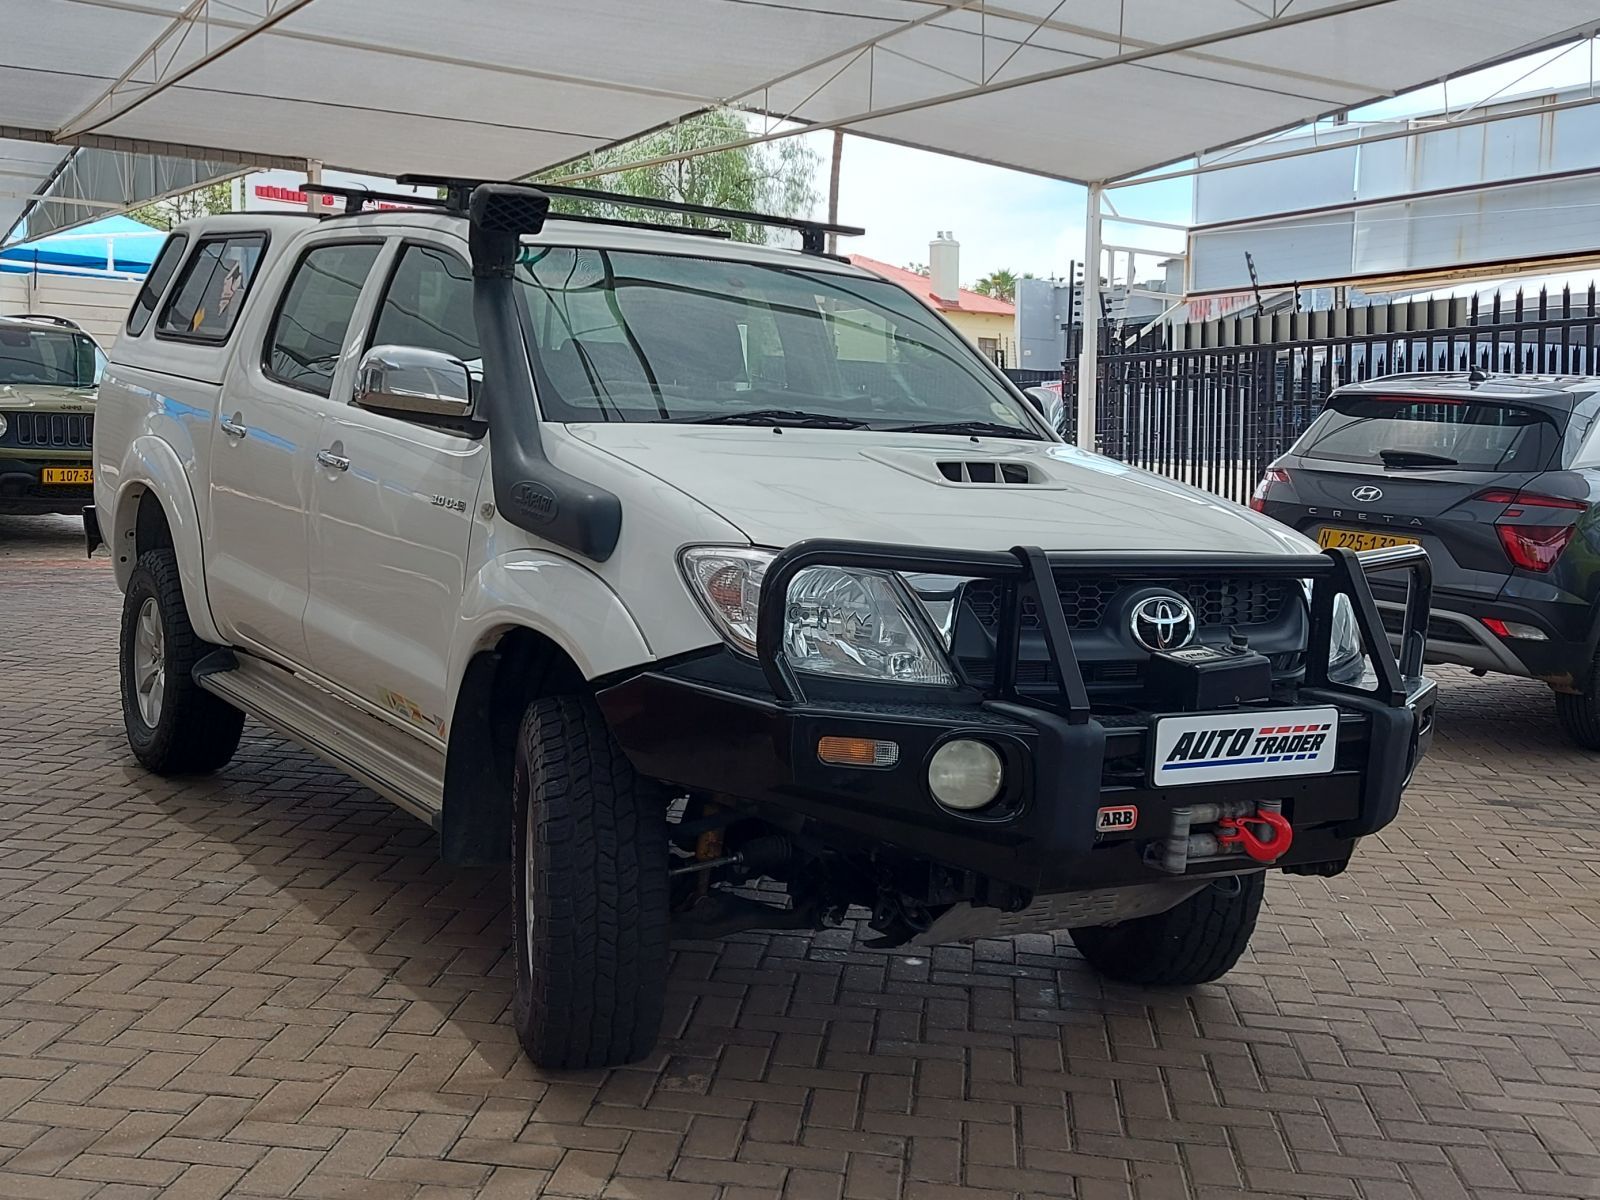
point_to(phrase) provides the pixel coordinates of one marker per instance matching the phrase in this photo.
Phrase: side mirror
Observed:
(408, 379)
(1048, 402)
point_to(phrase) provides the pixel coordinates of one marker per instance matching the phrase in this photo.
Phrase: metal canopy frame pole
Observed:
(313, 179)
(1089, 342)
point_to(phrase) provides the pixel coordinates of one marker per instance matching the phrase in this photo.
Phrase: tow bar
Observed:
(1187, 843)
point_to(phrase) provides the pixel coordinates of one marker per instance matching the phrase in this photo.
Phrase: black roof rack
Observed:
(813, 234)
(357, 198)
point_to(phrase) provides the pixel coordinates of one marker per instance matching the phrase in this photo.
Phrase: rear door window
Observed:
(1431, 432)
(211, 291)
(314, 315)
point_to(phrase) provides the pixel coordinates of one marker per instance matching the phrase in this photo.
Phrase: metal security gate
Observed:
(1214, 404)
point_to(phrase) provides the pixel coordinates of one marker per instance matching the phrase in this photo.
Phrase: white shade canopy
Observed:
(1076, 89)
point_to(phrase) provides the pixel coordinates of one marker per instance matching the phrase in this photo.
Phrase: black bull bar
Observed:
(689, 726)
(1027, 573)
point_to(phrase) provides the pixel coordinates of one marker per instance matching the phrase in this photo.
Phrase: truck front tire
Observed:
(590, 911)
(1196, 942)
(174, 727)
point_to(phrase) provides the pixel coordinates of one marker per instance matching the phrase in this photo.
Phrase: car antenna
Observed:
(1476, 376)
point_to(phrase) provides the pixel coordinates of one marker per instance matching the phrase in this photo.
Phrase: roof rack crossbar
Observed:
(653, 226)
(813, 234)
(357, 198)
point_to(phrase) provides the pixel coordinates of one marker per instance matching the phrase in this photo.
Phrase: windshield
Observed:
(1426, 431)
(651, 337)
(57, 357)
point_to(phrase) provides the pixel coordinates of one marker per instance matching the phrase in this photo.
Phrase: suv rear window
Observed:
(1429, 431)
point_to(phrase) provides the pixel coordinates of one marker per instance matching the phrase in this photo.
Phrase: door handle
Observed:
(231, 426)
(337, 462)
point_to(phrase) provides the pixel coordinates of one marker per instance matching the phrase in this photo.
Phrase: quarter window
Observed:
(211, 291)
(144, 304)
(314, 316)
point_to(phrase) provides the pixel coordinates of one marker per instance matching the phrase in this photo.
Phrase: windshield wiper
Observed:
(796, 417)
(971, 428)
(1415, 458)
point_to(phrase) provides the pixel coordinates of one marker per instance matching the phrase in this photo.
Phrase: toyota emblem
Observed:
(1163, 623)
(1367, 494)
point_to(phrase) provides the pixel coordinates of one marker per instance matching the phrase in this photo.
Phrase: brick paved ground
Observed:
(263, 984)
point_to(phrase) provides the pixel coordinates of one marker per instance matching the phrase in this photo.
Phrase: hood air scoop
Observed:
(989, 471)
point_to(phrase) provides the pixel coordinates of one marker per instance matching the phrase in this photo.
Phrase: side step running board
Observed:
(391, 762)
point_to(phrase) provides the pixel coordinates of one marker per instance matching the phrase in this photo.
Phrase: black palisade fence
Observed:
(1213, 403)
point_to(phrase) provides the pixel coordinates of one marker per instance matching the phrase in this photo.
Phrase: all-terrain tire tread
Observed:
(1579, 713)
(592, 995)
(1198, 941)
(197, 731)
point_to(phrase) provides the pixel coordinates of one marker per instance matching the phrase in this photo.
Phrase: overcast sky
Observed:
(1007, 219)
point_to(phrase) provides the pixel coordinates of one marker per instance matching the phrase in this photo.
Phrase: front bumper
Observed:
(23, 493)
(753, 742)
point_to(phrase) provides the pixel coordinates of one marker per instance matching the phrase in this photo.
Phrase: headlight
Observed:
(2, 425)
(848, 624)
(1345, 652)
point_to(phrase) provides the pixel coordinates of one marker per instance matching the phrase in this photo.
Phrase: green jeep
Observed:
(49, 369)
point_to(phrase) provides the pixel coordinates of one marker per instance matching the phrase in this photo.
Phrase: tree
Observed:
(1001, 284)
(186, 206)
(774, 178)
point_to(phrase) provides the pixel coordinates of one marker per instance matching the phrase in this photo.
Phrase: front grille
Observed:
(1217, 603)
(52, 431)
(1036, 672)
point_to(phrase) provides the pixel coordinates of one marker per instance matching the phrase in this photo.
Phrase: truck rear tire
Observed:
(1196, 942)
(590, 912)
(174, 727)
(1579, 712)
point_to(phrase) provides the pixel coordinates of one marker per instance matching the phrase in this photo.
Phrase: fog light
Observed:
(965, 775)
(857, 752)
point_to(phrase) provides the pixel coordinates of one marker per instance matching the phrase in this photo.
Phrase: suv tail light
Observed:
(1532, 547)
(1258, 498)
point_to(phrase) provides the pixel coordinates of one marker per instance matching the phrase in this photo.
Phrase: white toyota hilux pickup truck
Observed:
(668, 568)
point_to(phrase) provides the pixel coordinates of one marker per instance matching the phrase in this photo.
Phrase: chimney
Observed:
(944, 267)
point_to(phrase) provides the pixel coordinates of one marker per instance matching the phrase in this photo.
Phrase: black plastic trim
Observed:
(91, 530)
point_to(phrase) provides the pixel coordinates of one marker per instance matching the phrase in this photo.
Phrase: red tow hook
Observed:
(1231, 830)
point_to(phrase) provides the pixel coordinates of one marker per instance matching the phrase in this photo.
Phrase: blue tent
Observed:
(130, 245)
